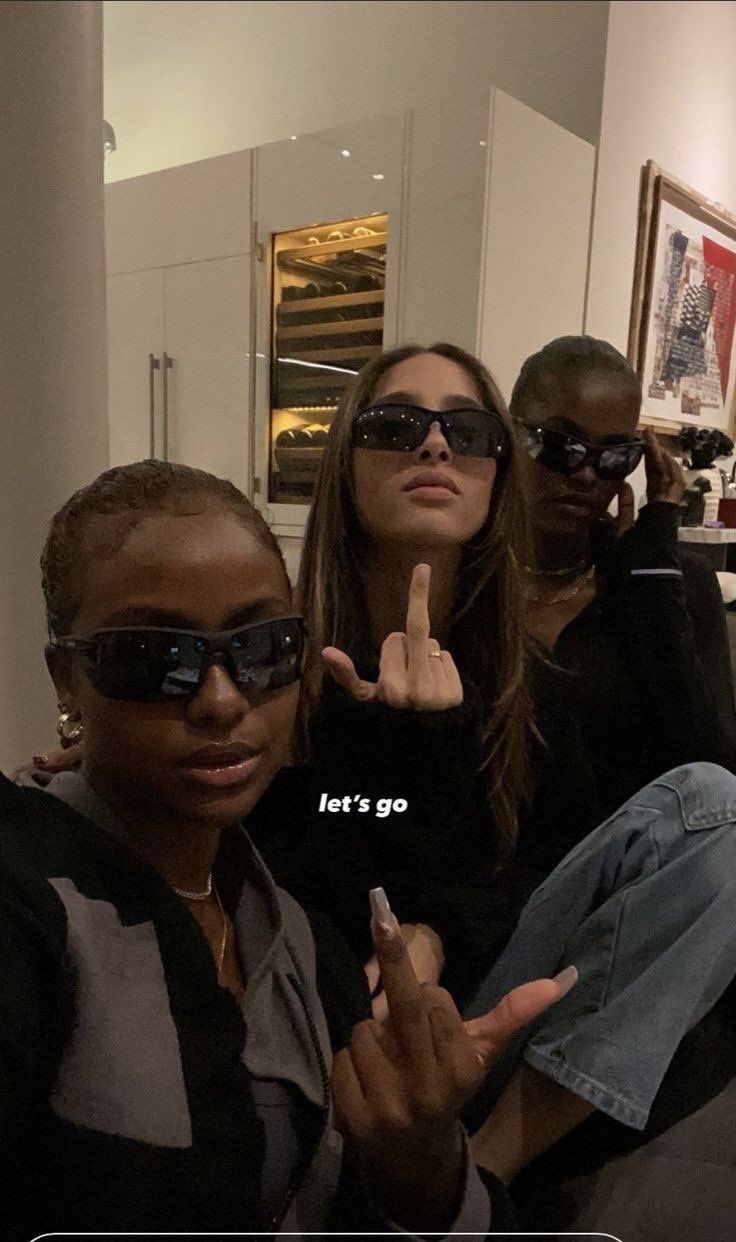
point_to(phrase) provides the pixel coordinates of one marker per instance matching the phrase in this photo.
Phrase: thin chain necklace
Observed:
(208, 892)
(535, 598)
(182, 892)
(569, 571)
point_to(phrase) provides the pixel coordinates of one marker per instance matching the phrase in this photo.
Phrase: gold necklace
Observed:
(548, 600)
(224, 934)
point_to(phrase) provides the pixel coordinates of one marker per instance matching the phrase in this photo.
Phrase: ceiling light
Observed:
(108, 138)
(482, 143)
(294, 137)
(378, 177)
(345, 152)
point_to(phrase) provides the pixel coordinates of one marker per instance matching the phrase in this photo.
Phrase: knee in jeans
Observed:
(706, 794)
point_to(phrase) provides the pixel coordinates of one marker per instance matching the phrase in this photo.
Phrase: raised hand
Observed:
(426, 955)
(665, 480)
(414, 671)
(398, 1089)
(626, 517)
(43, 768)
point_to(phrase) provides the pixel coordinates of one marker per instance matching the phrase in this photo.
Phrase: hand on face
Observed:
(414, 672)
(398, 1088)
(665, 480)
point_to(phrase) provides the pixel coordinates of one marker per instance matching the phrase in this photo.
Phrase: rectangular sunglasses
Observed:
(556, 450)
(402, 428)
(156, 663)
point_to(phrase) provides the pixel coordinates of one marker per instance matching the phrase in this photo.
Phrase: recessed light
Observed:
(378, 177)
(345, 152)
(482, 143)
(294, 137)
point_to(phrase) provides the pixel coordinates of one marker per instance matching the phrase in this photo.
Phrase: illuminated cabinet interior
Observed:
(328, 288)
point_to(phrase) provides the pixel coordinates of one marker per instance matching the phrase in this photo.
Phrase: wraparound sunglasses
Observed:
(401, 428)
(612, 459)
(153, 664)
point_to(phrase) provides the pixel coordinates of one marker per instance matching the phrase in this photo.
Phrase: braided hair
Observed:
(127, 495)
(562, 363)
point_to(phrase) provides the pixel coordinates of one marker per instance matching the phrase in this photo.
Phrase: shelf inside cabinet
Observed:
(334, 247)
(319, 343)
(342, 301)
(338, 328)
(333, 355)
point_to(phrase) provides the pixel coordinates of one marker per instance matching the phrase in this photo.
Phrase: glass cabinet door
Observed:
(328, 286)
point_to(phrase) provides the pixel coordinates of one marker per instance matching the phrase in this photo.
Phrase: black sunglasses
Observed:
(402, 428)
(566, 454)
(150, 665)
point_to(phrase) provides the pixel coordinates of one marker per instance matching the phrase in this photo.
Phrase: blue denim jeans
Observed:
(645, 907)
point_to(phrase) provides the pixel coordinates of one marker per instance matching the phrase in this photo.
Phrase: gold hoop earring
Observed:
(69, 728)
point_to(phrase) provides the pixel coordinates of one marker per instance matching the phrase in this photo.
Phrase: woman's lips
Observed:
(432, 492)
(220, 771)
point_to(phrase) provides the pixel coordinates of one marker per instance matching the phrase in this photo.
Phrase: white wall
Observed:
(670, 96)
(184, 81)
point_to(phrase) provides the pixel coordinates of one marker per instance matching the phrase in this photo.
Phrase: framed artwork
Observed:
(682, 334)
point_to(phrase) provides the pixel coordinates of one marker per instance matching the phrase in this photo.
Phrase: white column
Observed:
(53, 383)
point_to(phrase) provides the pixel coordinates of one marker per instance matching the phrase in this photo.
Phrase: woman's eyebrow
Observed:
(453, 401)
(394, 398)
(258, 610)
(457, 401)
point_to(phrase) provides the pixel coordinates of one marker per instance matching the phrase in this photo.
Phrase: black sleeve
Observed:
(676, 640)
(366, 756)
(35, 1010)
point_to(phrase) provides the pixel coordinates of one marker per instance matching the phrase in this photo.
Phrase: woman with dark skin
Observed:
(639, 625)
(163, 1049)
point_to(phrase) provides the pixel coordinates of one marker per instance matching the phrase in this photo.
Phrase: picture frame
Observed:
(682, 331)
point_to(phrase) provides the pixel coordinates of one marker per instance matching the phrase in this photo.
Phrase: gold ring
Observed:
(436, 655)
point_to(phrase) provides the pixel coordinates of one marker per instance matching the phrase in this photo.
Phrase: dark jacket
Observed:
(648, 661)
(135, 1092)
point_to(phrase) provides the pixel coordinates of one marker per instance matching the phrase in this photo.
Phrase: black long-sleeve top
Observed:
(640, 682)
(648, 661)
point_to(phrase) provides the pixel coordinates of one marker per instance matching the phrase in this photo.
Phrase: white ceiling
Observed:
(184, 81)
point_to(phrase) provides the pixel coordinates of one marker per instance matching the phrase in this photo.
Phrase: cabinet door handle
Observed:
(153, 365)
(166, 365)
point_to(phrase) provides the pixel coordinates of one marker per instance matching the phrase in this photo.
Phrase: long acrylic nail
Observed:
(381, 910)
(566, 980)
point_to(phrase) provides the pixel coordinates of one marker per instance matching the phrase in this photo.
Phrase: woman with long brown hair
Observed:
(454, 501)
(421, 466)
(358, 549)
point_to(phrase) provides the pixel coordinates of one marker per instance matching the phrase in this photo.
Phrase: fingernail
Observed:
(40, 760)
(566, 980)
(381, 910)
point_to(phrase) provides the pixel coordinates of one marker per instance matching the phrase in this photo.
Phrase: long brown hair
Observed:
(487, 637)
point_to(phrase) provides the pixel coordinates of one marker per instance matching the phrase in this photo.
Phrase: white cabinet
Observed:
(207, 313)
(135, 330)
(179, 366)
(179, 320)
